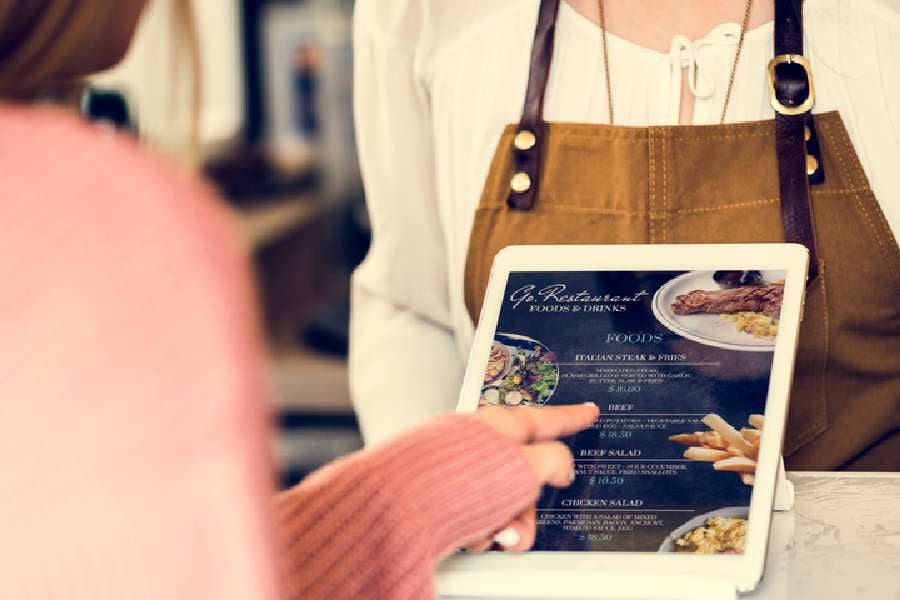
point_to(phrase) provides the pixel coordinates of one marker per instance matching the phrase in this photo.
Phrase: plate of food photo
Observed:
(521, 371)
(735, 310)
(722, 531)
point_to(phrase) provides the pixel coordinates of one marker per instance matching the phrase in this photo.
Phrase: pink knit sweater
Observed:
(133, 432)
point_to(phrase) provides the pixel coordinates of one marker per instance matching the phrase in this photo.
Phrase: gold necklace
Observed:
(737, 55)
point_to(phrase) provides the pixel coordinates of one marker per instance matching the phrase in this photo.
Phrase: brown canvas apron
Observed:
(601, 184)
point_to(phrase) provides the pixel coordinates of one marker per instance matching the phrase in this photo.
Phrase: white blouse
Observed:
(437, 80)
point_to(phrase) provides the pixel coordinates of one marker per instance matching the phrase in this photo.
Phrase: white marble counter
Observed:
(841, 541)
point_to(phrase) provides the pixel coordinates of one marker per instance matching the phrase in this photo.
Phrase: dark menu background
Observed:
(638, 486)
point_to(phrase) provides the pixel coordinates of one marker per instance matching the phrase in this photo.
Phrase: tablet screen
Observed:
(679, 363)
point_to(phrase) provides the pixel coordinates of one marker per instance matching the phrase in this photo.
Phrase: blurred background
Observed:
(275, 135)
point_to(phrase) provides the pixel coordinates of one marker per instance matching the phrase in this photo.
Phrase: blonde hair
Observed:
(47, 47)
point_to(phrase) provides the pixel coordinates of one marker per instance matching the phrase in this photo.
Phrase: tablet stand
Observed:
(784, 490)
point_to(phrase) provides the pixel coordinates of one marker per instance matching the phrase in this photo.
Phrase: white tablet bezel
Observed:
(744, 570)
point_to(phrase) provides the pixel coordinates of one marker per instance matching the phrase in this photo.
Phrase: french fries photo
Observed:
(738, 464)
(727, 448)
(689, 439)
(706, 454)
(729, 433)
(751, 435)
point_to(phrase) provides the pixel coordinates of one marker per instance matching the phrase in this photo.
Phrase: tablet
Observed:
(689, 352)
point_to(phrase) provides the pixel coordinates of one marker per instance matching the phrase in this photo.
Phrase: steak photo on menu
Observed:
(765, 299)
(738, 310)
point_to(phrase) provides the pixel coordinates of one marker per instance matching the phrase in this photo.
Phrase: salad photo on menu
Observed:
(520, 372)
(679, 363)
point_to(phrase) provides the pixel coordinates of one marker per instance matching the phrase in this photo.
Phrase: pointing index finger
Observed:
(533, 423)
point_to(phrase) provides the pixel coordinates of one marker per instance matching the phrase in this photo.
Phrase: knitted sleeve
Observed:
(374, 525)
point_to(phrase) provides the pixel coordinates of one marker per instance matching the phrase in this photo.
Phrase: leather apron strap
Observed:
(791, 91)
(529, 137)
(792, 96)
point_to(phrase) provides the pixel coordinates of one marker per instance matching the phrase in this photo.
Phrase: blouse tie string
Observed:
(685, 54)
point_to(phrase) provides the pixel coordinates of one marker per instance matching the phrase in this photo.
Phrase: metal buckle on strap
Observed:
(793, 107)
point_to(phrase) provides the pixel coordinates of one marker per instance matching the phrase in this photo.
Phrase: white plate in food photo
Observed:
(521, 371)
(721, 531)
(734, 310)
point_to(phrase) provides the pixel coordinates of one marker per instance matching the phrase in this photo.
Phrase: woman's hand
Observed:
(536, 429)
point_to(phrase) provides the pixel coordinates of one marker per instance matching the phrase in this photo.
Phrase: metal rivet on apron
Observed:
(524, 140)
(520, 182)
(812, 165)
(806, 133)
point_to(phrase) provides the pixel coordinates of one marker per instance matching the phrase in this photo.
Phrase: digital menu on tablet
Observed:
(679, 363)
